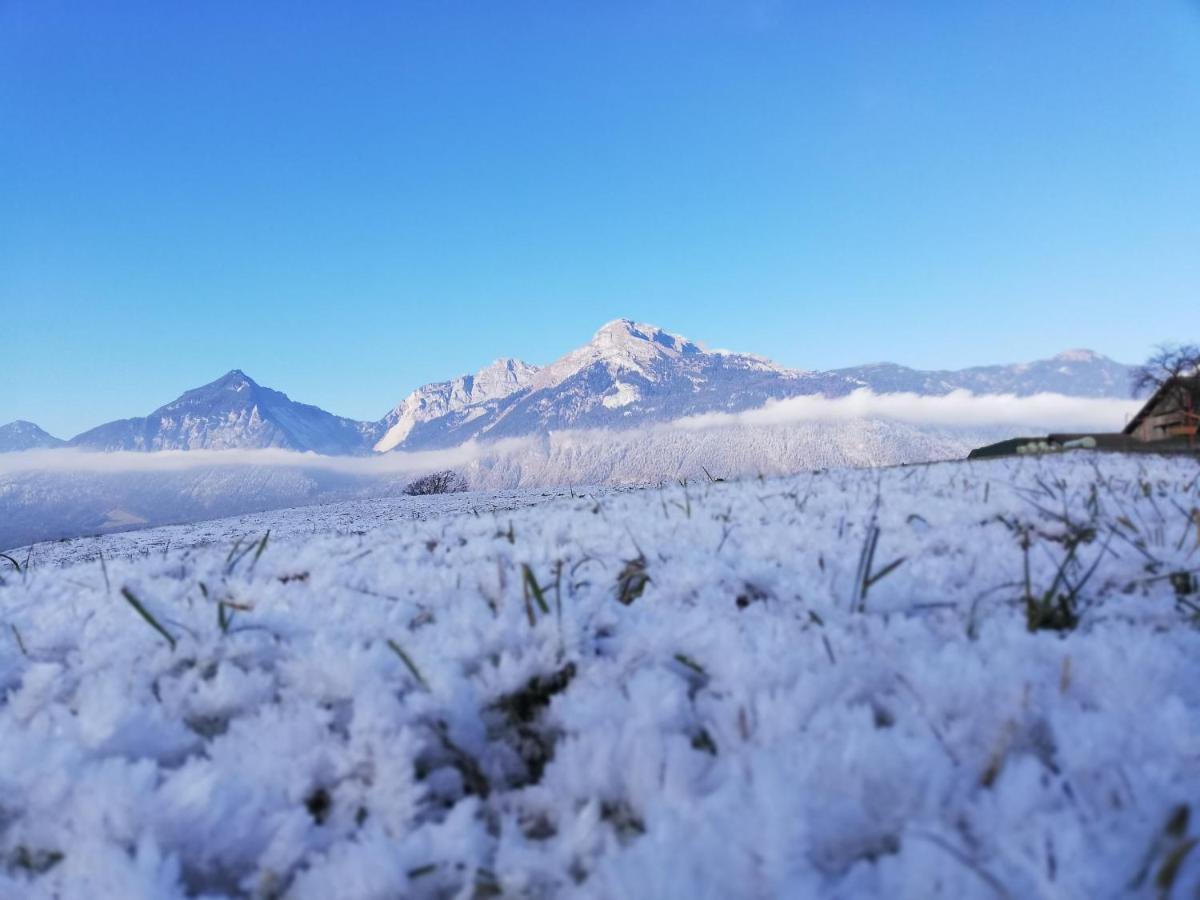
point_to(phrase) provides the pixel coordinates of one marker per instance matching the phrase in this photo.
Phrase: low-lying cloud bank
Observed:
(958, 409)
(384, 464)
(48, 494)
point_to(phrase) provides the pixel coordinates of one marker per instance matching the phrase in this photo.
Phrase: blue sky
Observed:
(349, 200)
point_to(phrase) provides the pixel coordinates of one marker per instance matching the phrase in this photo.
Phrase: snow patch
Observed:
(623, 396)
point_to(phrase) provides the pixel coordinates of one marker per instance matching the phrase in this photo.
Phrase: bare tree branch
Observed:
(1170, 361)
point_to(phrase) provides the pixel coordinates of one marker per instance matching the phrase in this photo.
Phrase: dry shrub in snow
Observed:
(444, 482)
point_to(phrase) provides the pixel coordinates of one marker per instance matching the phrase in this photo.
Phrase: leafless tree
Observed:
(444, 482)
(1169, 362)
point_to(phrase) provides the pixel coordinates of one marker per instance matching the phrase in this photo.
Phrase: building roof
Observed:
(1103, 443)
(1189, 383)
(1002, 448)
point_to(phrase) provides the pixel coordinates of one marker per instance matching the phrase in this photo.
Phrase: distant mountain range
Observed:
(627, 375)
(1073, 373)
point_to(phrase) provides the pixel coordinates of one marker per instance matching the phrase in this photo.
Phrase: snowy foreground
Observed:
(711, 690)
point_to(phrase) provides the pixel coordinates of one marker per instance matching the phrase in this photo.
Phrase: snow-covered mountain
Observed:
(22, 435)
(1074, 373)
(631, 374)
(455, 403)
(628, 375)
(233, 412)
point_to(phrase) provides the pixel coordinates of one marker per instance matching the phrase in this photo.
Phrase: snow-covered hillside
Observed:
(821, 685)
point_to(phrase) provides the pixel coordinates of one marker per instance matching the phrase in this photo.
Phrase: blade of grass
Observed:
(885, 571)
(20, 643)
(684, 660)
(407, 660)
(866, 559)
(104, 570)
(262, 545)
(133, 601)
(233, 563)
(535, 589)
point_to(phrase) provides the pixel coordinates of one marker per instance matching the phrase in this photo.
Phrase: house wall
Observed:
(1166, 415)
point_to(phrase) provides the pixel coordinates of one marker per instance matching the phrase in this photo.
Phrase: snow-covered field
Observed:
(346, 517)
(822, 685)
(51, 494)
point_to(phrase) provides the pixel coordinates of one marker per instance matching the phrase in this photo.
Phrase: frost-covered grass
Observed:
(824, 685)
(345, 517)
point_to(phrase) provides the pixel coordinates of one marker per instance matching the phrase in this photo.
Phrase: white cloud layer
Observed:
(396, 463)
(1049, 412)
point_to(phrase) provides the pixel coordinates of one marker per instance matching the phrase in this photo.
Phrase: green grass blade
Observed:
(133, 601)
(407, 660)
(536, 589)
(262, 545)
(224, 617)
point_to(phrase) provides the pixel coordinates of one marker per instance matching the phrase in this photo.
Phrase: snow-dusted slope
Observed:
(632, 374)
(628, 374)
(456, 403)
(22, 435)
(465, 706)
(1073, 373)
(233, 412)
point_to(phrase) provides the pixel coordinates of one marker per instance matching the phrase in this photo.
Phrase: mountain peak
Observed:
(232, 412)
(23, 435)
(1079, 355)
(616, 327)
(505, 365)
(626, 332)
(235, 380)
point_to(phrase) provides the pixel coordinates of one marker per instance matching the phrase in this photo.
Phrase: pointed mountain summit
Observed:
(621, 345)
(22, 435)
(233, 412)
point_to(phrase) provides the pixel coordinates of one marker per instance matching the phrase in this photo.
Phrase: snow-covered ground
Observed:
(346, 517)
(47, 495)
(708, 690)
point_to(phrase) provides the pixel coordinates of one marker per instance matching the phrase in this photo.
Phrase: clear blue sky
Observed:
(349, 200)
